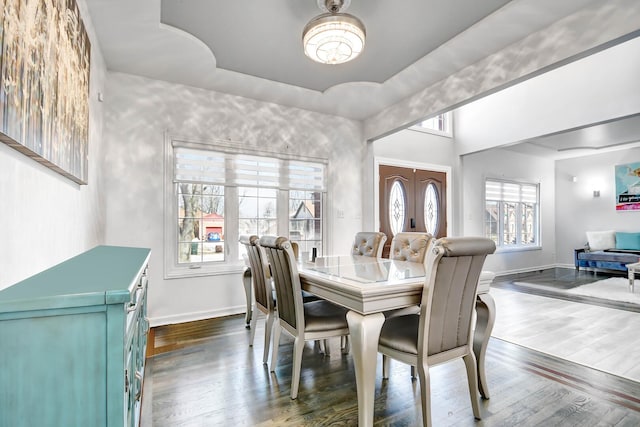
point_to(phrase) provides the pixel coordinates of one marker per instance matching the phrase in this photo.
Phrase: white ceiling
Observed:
(264, 39)
(252, 48)
(593, 139)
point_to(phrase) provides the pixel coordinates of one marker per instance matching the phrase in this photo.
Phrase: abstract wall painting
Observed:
(628, 187)
(44, 83)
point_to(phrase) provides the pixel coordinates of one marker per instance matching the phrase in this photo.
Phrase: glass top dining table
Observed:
(368, 287)
(367, 269)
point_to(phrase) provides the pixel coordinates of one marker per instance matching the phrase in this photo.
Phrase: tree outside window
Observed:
(200, 223)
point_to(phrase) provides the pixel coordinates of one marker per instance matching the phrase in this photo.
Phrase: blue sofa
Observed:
(608, 259)
(625, 249)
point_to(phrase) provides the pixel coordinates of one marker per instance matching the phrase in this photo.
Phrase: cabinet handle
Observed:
(139, 391)
(126, 381)
(132, 307)
(139, 295)
(143, 281)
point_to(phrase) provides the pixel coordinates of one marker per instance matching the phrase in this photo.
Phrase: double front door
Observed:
(411, 200)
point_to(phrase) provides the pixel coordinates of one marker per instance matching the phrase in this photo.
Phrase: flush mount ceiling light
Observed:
(334, 37)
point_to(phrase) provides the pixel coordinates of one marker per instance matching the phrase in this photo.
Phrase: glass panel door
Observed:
(411, 200)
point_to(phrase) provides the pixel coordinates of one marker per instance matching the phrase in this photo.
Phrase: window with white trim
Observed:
(511, 215)
(214, 196)
(440, 125)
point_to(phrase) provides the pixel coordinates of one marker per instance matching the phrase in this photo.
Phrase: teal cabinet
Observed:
(73, 342)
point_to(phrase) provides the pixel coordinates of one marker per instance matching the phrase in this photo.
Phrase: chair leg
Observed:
(385, 366)
(327, 347)
(425, 393)
(246, 281)
(472, 378)
(413, 372)
(252, 333)
(268, 327)
(298, 349)
(345, 345)
(276, 344)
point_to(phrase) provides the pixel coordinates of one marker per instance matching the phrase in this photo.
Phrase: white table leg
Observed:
(486, 317)
(631, 278)
(365, 332)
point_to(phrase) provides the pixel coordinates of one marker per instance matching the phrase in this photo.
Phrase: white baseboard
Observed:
(530, 269)
(193, 316)
(571, 266)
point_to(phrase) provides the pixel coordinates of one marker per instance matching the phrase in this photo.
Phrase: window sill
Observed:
(204, 270)
(509, 249)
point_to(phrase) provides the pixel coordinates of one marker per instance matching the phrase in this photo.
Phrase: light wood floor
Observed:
(215, 378)
(599, 337)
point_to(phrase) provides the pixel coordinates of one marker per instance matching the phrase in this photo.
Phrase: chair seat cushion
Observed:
(322, 315)
(309, 297)
(401, 333)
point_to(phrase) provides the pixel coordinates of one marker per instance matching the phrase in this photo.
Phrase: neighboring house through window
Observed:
(511, 216)
(305, 220)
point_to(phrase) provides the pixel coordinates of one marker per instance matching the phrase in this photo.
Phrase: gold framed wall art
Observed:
(44, 84)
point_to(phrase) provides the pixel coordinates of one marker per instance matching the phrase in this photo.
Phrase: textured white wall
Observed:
(138, 113)
(594, 89)
(586, 31)
(46, 218)
(577, 211)
(416, 146)
(600, 87)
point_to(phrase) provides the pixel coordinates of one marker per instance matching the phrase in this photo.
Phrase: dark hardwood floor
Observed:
(205, 374)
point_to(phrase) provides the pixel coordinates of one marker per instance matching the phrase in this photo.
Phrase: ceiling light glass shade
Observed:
(333, 38)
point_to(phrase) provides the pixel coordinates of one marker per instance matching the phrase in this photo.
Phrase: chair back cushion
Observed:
(369, 243)
(453, 268)
(284, 272)
(410, 246)
(259, 271)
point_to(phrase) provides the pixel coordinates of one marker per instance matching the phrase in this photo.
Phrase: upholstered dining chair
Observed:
(410, 246)
(248, 293)
(262, 291)
(368, 243)
(316, 320)
(443, 329)
(306, 296)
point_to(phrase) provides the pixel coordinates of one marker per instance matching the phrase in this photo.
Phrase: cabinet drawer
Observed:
(136, 306)
(135, 349)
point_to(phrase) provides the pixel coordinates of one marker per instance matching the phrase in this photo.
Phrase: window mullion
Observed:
(520, 218)
(231, 223)
(501, 230)
(283, 212)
